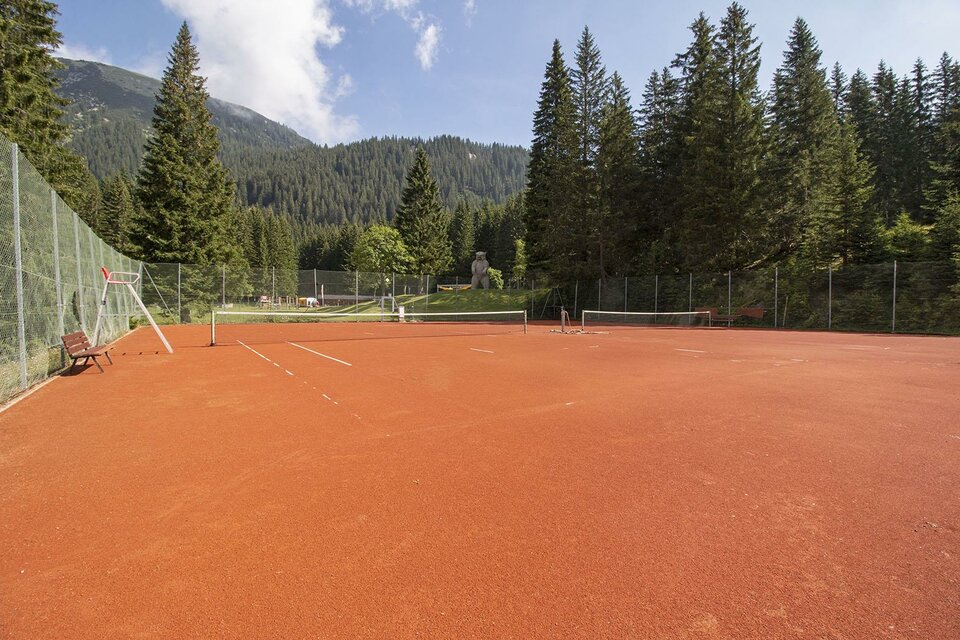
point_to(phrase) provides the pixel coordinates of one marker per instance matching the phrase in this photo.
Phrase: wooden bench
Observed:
(78, 347)
(729, 319)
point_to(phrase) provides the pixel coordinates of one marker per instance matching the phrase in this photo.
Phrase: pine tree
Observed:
(117, 214)
(462, 236)
(920, 173)
(31, 113)
(186, 193)
(740, 142)
(887, 156)
(838, 89)
(422, 221)
(551, 196)
(589, 86)
(851, 231)
(660, 145)
(618, 173)
(860, 110)
(804, 131)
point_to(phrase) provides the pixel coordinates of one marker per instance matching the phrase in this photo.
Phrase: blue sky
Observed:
(340, 70)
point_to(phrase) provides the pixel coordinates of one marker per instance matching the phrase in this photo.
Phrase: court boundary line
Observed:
(322, 355)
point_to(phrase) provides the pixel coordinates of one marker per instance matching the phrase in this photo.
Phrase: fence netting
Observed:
(50, 272)
(50, 263)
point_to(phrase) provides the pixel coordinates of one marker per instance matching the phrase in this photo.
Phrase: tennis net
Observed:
(230, 326)
(630, 319)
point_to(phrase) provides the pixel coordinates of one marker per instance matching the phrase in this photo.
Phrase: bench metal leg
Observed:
(96, 362)
(109, 359)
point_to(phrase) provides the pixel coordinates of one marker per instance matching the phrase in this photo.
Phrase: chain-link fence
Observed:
(51, 282)
(920, 297)
(50, 277)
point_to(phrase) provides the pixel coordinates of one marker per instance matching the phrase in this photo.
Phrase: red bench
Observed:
(78, 347)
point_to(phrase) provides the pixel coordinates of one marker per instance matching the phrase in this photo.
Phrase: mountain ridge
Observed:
(110, 114)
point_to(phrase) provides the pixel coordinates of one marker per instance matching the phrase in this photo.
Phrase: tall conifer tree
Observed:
(618, 174)
(422, 221)
(551, 194)
(30, 110)
(803, 132)
(186, 193)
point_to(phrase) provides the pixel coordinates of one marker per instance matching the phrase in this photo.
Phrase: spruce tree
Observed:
(186, 193)
(740, 143)
(422, 221)
(117, 214)
(589, 86)
(887, 156)
(31, 113)
(660, 145)
(803, 133)
(462, 236)
(853, 231)
(920, 174)
(838, 90)
(551, 194)
(861, 111)
(618, 174)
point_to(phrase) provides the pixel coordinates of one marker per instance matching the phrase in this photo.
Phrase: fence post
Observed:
(690, 302)
(76, 244)
(599, 294)
(393, 285)
(179, 310)
(223, 289)
(314, 284)
(893, 317)
(729, 293)
(829, 297)
(273, 286)
(656, 290)
(18, 266)
(625, 281)
(356, 288)
(56, 272)
(576, 291)
(776, 295)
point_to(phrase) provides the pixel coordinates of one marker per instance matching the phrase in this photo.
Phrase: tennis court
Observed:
(457, 480)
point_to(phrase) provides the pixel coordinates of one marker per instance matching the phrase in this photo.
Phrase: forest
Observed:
(708, 171)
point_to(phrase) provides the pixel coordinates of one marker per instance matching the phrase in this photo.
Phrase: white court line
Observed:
(317, 353)
(690, 350)
(288, 372)
(256, 352)
(480, 350)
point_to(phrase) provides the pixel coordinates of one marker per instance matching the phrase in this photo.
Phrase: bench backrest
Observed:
(75, 342)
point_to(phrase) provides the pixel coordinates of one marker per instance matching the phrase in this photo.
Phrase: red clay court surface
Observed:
(634, 484)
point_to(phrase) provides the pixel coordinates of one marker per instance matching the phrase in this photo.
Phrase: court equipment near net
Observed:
(645, 319)
(128, 279)
(466, 318)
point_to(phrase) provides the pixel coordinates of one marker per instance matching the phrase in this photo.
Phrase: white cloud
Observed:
(469, 10)
(426, 27)
(82, 52)
(427, 46)
(263, 55)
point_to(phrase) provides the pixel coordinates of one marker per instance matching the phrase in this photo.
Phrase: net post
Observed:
(829, 297)
(893, 317)
(524, 321)
(56, 273)
(18, 265)
(213, 327)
